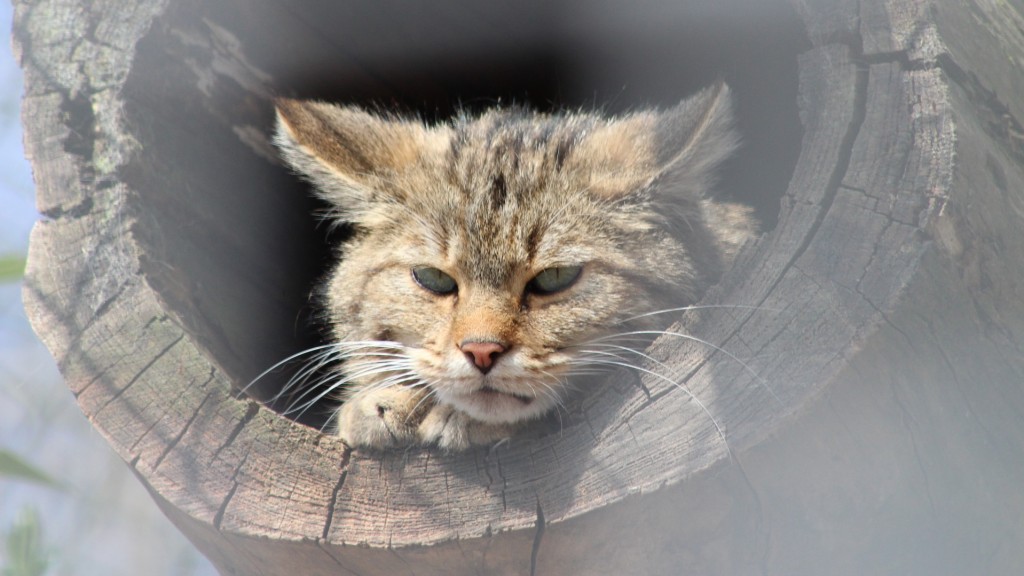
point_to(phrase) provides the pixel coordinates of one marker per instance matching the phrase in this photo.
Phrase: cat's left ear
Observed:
(691, 140)
(676, 150)
(349, 154)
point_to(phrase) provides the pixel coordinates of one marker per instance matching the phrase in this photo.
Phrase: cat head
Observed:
(494, 256)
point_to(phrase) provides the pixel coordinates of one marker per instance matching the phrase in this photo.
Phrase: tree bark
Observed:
(860, 414)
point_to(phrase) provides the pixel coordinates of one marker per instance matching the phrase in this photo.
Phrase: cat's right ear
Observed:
(349, 154)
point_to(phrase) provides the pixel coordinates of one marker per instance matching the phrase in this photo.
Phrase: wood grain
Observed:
(860, 413)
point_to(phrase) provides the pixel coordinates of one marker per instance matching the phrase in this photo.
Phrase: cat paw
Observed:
(382, 418)
(453, 430)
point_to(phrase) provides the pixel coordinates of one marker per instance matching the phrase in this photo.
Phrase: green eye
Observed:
(554, 279)
(434, 280)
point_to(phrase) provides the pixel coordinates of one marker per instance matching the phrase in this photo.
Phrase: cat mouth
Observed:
(488, 392)
(492, 405)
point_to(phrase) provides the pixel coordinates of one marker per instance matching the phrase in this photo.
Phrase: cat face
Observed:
(493, 256)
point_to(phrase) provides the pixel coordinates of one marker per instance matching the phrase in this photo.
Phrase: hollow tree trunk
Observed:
(865, 416)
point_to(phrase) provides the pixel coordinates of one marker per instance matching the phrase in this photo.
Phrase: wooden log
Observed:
(864, 416)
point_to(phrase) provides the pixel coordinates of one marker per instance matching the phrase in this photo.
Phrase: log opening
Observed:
(233, 241)
(176, 256)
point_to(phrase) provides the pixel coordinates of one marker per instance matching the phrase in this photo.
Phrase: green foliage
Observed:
(12, 267)
(24, 551)
(12, 466)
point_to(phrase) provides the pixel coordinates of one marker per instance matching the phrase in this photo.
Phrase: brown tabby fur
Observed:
(492, 201)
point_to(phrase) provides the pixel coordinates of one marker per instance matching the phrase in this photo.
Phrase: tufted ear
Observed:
(668, 159)
(676, 150)
(691, 140)
(351, 155)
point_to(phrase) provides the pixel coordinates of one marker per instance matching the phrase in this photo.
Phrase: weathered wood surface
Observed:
(877, 430)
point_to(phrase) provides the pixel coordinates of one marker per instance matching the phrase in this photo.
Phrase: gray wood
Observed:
(864, 416)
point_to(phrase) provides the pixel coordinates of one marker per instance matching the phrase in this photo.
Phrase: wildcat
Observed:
(495, 258)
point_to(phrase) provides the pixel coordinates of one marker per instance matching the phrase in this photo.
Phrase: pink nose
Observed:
(482, 353)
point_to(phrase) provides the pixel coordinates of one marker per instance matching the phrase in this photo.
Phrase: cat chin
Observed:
(494, 407)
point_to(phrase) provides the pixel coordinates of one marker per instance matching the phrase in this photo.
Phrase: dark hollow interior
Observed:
(231, 241)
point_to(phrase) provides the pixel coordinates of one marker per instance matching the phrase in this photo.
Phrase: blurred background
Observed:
(68, 504)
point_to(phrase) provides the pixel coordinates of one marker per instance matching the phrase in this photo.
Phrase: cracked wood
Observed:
(872, 423)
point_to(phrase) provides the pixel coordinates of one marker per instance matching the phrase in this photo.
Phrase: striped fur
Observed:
(492, 201)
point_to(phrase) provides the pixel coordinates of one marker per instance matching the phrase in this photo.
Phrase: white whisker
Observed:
(696, 307)
(395, 380)
(430, 395)
(730, 355)
(673, 383)
(282, 363)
